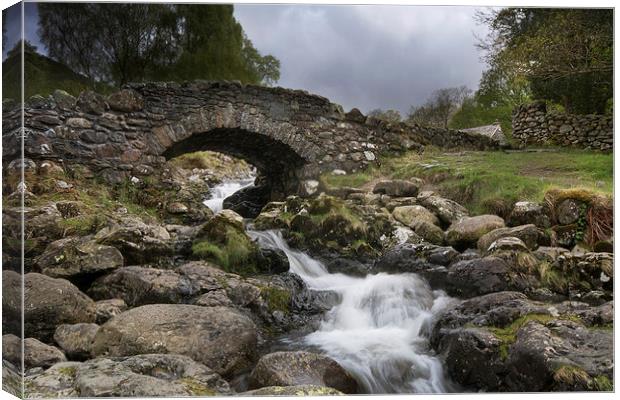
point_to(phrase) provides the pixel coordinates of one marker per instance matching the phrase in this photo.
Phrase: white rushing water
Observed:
(379, 331)
(223, 190)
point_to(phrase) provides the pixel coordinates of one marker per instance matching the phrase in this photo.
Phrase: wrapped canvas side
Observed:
(14, 187)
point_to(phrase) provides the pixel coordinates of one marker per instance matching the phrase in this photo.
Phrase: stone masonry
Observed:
(532, 124)
(291, 136)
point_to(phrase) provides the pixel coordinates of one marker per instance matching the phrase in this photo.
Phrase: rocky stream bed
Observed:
(392, 290)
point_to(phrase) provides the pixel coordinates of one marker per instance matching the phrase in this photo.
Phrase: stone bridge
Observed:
(291, 136)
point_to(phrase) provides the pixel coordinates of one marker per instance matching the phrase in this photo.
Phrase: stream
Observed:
(379, 332)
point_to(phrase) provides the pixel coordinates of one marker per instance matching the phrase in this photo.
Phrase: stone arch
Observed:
(278, 149)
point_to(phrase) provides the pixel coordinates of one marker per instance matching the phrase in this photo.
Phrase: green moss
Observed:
(508, 335)
(603, 383)
(196, 388)
(277, 299)
(82, 224)
(68, 371)
(236, 254)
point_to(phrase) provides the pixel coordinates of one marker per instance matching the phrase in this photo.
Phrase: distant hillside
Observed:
(43, 76)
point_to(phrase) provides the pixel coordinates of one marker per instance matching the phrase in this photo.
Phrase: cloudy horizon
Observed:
(364, 56)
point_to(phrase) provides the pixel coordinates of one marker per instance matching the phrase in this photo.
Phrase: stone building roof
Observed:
(493, 131)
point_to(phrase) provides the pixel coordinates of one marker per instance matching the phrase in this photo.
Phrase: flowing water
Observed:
(379, 330)
(223, 190)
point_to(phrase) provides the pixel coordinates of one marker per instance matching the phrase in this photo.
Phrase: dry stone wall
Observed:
(532, 124)
(291, 136)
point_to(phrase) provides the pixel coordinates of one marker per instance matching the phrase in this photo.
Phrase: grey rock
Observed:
(126, 100)
(91, 103)
(36, 353)
(301, 368)
(148, 375)
(476, 277)
(219, 337)
(568, 211)
(301, 390)
(527, 212)
(526, 233)
(48, 303)
(76, 339)
(107, 309)
(78, 256)
(397, 188)
(538, 339)
(138, 242)
(447, 210)
(466, 231)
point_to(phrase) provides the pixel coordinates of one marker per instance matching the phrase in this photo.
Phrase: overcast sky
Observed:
(358, 56)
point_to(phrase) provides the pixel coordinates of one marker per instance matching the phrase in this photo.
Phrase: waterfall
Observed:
(223, 190)
(379, 332)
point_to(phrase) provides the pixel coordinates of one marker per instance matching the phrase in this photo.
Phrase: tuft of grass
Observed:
(277, 299)
(572, 376)
(603, 383)
(552, 278)
(68, 371)
(236, 254)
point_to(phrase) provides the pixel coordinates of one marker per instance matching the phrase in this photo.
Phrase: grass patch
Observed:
(235, 252)
(491, 181)
(350, 180)
(219, 164)
(277, 299)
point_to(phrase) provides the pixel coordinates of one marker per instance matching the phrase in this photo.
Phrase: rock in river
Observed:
(48, 303)
(148, 375)
(220, 337)
(292, 368)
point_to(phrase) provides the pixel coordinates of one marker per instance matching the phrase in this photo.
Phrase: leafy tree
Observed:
(391, 116)
(565, 54)
(438, 109)
(473, 113)
(266, 68)
(119, 43)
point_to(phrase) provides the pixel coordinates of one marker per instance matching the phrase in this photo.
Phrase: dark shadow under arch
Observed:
(277, 163)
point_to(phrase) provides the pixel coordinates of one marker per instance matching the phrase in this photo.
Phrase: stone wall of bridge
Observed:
(291, 136)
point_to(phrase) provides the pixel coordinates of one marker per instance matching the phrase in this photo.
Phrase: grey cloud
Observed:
(359, 56)
(368, 56)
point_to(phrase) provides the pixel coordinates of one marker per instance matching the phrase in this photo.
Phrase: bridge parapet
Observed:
(290, 135)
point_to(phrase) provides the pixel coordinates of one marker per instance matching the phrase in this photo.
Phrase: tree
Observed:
(266, 68)
(565, 54)
(438, 109)
(119, 43)
(391, 116)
